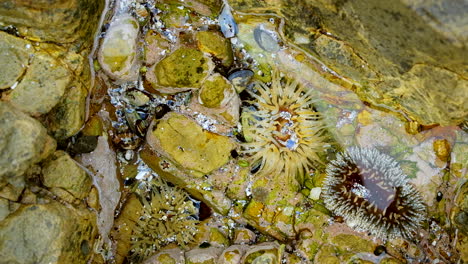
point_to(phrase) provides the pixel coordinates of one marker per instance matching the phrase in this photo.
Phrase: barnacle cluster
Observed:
(169, 216)
(370, 191)
(284, 133)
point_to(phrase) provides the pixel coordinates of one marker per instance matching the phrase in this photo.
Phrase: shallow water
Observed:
(432, 157)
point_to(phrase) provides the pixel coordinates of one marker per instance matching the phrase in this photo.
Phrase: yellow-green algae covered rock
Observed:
(14, 54)
(213, 91)
(349, 242)
(42, 86)
(24, 141)
(203, 255)
(264, 253)
(60, 170)
(47, 233)
(216, 45)
(200, 188)
(124, 225)
(68, 116)
(182, 70)
(232, 254)
(167, 256)
(186, 143)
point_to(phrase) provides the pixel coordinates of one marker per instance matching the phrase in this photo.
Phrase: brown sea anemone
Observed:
(284, 133)
(370, 191)
(169, 217)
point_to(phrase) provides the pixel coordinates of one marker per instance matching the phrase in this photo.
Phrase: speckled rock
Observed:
(14, 54)
(67, 118)
(11, 192)
(67, 22)
(60, 170)
(48, 233)
(244, 236)
(187, 144)
(182, 70)
(4, 208)
(232, 255)
(42, 85)
(25, 142)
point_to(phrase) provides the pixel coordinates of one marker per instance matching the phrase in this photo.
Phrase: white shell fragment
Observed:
(315, 193)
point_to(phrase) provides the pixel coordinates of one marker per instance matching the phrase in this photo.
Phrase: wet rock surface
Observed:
(44, 81)
(182, 70)
(372, 43)
(193, 149)
(48, 233)
(178, 87)
(24, 142)
(69, 21)
(61, 171)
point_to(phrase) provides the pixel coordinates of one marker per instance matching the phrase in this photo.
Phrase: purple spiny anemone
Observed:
(370, 191)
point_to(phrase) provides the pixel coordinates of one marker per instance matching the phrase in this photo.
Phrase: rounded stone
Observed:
(182, 70)
(60, 170)
(24, 142)
(185, 142)
(14, 58)
(42, 86)
(118, 50)
(214, 91)
(47, 233)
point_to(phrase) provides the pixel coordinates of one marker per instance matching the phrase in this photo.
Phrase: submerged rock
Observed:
(232, 255)
(187, 144)
(182, 70)
(66, 22)
(67, 118)
(173, 256)
(24, 142)
(264, 253)
(203, 255)
(63, 172)
(381, 56)
(214, 44)
(218, 99)
(215, 92)
(47, 233)
(118, 52)
(201, 188)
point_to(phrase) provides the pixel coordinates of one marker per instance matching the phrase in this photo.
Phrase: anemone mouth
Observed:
(286, 132)
(370, 191)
